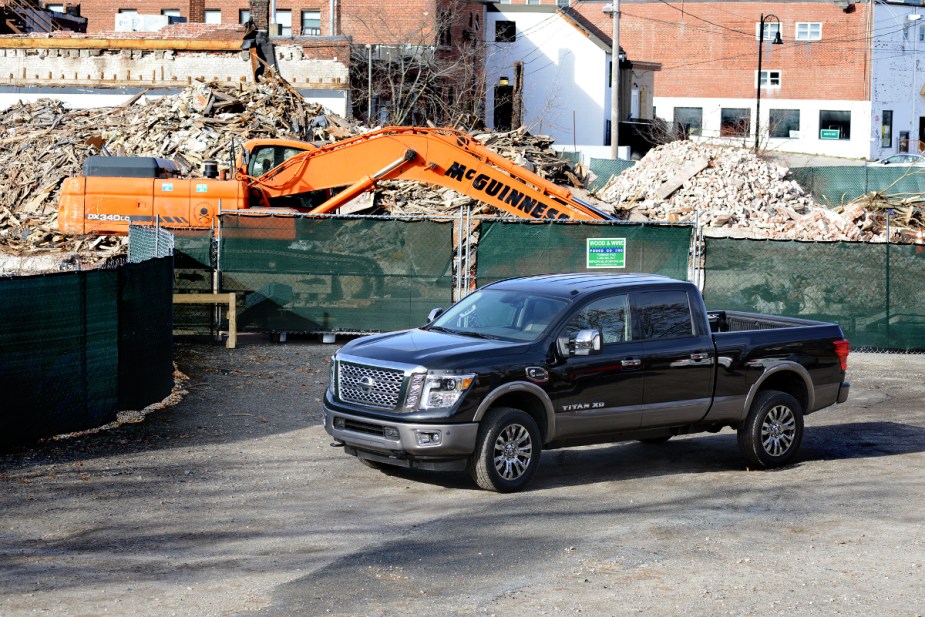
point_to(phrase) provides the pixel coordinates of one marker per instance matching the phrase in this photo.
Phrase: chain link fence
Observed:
(76, 347)
(874, 291)
(335, 274)
(837, 185)
(518, 248)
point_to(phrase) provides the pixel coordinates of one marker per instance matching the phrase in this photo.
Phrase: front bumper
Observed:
(367, 434)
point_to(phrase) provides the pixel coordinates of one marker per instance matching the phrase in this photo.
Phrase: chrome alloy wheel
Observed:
(513, 449)
(778, 430)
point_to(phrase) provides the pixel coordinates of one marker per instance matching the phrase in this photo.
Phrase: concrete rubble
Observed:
(730, 191)
(726, 190)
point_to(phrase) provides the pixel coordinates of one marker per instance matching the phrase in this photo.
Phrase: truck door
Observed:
(677, 359)
(601, 393)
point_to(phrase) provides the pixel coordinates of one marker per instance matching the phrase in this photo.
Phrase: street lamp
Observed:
(369, 83)
(913, 21)
(777, 41)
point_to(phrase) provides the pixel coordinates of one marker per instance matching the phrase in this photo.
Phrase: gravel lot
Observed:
(232, 502)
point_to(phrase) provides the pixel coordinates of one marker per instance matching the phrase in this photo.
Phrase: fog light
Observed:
(390, 432)
(428, 438)
(339, 423)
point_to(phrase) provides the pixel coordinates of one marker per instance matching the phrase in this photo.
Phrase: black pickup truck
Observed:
(550, 361)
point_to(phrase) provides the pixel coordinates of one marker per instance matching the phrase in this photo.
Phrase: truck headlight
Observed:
(332, 383)
(437, 389)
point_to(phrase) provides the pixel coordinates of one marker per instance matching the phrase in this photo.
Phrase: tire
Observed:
(655, 441)
(507, 451)
(773, 430)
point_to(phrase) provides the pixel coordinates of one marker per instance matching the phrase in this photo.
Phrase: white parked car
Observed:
(906, 158)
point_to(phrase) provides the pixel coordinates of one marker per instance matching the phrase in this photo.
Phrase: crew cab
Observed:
(543, 362)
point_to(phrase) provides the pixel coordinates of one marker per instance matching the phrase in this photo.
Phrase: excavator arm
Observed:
(442, 157)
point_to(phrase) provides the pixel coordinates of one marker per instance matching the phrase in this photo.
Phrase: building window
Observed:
(832, 121)
(213, 16)
(128, 12)
(886, 129)
(735, 121)
(809, 31)
(769, 79)
(445, 36)
(505, 31)
(57, 8)
(770, 30)
(533, 1)
(170, 12)
(284, 19)
(784, 123)
(689, 120)
(311, 22)
(244, 16)
(562, 4)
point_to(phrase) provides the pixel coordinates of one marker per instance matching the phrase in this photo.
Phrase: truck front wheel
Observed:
(772, 431)
(507, 451)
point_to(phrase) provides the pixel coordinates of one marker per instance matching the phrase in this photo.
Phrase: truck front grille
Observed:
(369, 385)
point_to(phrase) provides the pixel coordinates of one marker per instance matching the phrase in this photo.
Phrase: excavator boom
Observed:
(303, 178)
(442, 157)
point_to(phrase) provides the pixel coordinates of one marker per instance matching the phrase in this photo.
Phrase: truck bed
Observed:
(737, 321)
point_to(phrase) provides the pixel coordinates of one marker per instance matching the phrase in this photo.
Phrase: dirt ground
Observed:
(233, 502)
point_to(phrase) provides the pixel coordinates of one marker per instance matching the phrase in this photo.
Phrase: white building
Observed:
(565, 80)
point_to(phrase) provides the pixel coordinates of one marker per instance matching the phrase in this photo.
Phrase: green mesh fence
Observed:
(335, 274)
(875, 294)
(837, 185)
(572, 157)
(515, 248)
(604, 169)
(194, 266)
(67, 341)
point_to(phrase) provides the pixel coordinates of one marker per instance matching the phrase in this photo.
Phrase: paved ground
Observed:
(232, 502)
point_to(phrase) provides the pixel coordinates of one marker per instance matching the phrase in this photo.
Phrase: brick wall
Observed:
(720, 59)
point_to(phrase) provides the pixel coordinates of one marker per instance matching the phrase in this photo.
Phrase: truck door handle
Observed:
(697, 357)
(631, 362)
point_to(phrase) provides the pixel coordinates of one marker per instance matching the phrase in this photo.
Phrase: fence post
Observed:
(889, 337)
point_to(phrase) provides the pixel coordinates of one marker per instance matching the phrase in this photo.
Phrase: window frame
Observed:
(285, 29)
(808, 31)
(772, 127)
(769, 31)
(699, 127)
(886, 128)
(768, 83)
(728, 129)
(843, 135)
(171, 12)
(308, 31)
(508, 29)
(244, 16)
(212, 12)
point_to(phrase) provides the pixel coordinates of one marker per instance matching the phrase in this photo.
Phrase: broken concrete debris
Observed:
(727, 190)
(730, 191)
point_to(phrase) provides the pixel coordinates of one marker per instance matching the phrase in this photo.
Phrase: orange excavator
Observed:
(278, 175)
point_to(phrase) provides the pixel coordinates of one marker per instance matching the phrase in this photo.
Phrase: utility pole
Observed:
(615, 80)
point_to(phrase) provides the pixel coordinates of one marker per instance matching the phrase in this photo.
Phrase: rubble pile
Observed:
(43, 143)
(730, 191)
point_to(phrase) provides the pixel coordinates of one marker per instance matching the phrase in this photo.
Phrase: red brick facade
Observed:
(710, 49)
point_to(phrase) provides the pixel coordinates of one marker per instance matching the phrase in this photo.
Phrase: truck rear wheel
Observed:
(773, 430)
(507, 451)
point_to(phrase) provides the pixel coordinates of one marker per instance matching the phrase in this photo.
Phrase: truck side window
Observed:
(664, 314)
(610, 315)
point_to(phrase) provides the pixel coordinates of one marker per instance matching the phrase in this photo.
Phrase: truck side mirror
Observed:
(433, 314)
(584, 343)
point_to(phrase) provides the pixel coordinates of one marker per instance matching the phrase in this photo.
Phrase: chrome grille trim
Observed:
(369, 385)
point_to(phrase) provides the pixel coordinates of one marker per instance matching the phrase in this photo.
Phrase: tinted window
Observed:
(505, 31)
(664, 314)
(609, 315)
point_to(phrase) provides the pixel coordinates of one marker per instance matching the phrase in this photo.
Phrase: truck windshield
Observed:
(505, 315)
